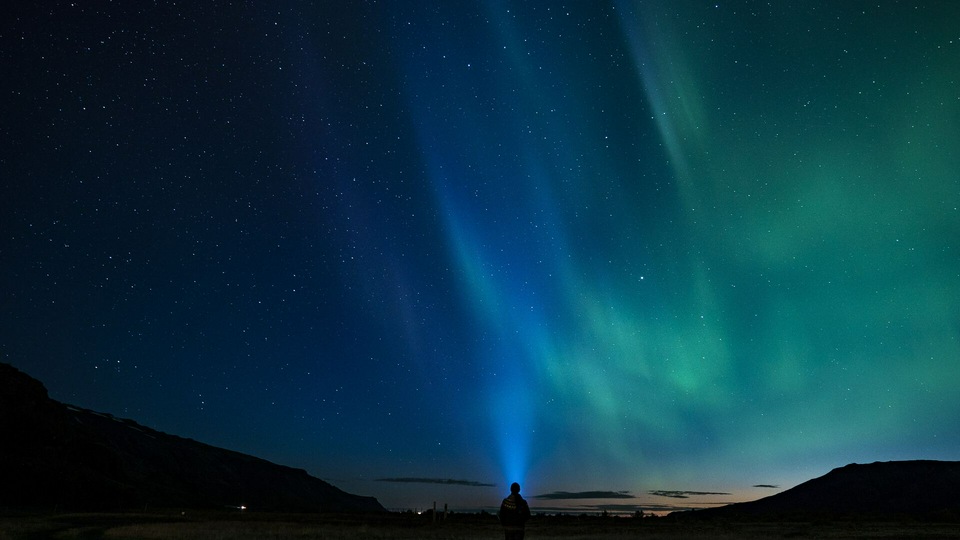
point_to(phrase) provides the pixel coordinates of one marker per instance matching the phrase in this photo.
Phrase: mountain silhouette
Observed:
(892, 489)
(54, 455)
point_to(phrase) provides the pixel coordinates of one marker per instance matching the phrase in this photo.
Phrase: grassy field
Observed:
(251, 526)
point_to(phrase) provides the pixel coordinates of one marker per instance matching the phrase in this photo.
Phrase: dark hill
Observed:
(55, 455)
(893, 489)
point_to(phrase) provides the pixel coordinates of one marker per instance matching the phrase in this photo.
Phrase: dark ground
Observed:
(227, 525)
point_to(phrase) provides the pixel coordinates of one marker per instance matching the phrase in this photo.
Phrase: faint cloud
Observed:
(444, 481)
(771, 486)
(562, 495)
(683, 494)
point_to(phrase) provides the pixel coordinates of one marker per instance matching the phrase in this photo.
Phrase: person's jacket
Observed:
(514, 512)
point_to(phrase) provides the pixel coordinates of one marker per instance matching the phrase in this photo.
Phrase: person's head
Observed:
(514, 488)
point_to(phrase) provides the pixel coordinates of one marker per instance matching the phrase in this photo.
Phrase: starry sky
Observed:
(628, 253)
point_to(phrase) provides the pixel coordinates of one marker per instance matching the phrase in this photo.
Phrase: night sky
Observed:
(633, 251)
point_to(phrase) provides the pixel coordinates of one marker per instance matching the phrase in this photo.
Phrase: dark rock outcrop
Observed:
(881, 490)
(55, 455)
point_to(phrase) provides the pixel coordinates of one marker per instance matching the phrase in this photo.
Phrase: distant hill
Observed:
(893, 489)
(56, 455)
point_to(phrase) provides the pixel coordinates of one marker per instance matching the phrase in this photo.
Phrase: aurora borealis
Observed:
(644, 247)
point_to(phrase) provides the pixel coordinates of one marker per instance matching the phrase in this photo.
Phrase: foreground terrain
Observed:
(211, 526)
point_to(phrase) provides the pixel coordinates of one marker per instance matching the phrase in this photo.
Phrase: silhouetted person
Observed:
(514, 513)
